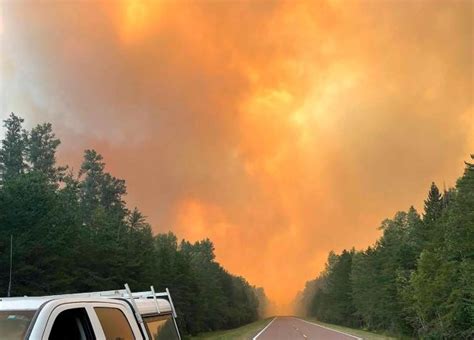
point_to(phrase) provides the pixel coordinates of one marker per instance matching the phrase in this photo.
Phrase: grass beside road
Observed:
(242, 333)
(356, 332)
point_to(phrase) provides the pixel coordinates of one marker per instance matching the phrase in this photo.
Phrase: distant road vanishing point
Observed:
(291, 328)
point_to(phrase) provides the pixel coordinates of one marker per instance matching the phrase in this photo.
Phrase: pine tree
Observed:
(418, 233)
(12, 152)
(41, 145)
(433, 205)
(80, 236)
(136, 220)
(433, 232)
(101, 190)
(92, 169)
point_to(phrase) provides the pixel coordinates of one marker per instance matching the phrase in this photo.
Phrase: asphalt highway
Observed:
(291, 328)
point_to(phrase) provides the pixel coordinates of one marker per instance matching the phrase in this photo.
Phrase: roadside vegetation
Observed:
(72, 232)
(416, 280)
(366, 335)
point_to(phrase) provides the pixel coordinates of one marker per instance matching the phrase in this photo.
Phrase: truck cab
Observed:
(114, 315)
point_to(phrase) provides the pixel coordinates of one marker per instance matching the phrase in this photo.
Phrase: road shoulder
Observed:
(357, 333)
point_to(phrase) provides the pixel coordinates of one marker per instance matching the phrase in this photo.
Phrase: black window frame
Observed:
(85, 321)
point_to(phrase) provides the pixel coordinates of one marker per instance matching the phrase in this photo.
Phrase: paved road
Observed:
(290, 328)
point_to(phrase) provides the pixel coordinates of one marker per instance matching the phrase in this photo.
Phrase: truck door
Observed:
(91, 321)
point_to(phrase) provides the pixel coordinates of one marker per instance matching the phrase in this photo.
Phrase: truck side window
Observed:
(161, 327)
(73, 324)
(114, 324)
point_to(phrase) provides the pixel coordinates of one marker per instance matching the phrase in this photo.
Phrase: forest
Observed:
(73, 232)
(416, 280)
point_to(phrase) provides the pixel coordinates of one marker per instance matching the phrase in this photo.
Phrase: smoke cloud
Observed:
(281, 130)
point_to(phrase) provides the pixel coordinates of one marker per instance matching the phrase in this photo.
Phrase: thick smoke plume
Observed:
(280, 130)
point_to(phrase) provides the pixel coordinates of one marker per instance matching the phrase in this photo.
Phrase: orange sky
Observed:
(280, 130)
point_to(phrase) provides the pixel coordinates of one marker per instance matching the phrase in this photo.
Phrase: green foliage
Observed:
(41, 145)
(74, 233)
(433, 205)
(334, 299)
(12, 153)
(263, 302)
(418, 278)
(442, 287)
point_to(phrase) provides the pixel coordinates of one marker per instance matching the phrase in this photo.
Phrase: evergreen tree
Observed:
(102, 194)
(263, 302)
(91, 175)
(332, 299)
(417, 233)
(433, 205)
(41, 145)
(442, 288)
(12, 152)
(30, 211)
(75, 233)
(418, 278)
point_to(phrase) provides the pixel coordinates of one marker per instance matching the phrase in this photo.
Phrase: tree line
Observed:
(416, 280)
(74, 233)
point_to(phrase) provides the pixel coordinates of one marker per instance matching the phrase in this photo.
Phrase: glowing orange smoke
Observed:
(136, 19)
(281, 130)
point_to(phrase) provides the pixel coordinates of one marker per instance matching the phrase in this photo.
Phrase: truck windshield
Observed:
(14, 323)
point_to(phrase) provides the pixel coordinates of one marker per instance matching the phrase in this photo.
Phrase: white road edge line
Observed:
(263, 330)
(331, 329)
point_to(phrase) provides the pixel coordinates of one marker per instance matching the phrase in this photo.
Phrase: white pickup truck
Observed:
(107, 315)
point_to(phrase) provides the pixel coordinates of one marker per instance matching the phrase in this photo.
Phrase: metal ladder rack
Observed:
(118, 293)
(147, 295)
